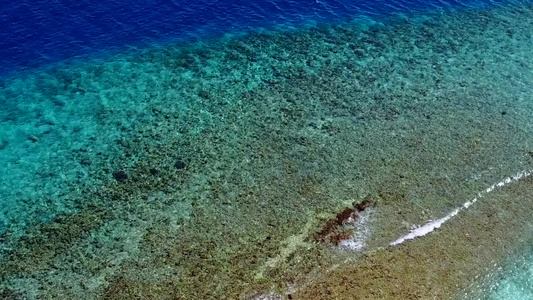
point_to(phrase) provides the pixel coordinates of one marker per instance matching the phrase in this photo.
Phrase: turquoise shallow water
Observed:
(516, 282)
(200, 169)
(512, 280)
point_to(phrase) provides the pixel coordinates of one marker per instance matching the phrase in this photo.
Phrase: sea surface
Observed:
(213, 149)
(39, 32)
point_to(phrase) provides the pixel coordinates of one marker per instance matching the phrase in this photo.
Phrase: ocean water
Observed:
(208, 149)
(42, 32)
(516, 280)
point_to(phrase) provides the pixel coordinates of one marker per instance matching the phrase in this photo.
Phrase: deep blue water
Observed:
(38, 32)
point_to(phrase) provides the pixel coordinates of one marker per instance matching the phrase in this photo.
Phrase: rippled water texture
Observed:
(34, 33)
(266, 151)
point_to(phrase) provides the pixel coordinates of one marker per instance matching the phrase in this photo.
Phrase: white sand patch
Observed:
(269, 296)
(361, 231)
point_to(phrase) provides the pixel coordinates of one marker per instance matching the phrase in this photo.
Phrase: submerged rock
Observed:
(120, 175)
(333, 231)
(180, 164)
(3, 144)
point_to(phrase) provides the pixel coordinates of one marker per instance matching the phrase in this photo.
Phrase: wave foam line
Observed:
(432, 225)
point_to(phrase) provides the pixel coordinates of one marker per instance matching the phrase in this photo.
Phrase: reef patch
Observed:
(341, 228)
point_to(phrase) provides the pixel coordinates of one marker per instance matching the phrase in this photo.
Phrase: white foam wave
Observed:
(361, 232)
(434, 224)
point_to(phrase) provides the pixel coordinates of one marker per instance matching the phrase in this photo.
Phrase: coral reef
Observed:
(181, 171)
(333, 231)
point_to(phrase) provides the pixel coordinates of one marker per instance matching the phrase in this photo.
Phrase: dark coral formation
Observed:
(334, 231)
